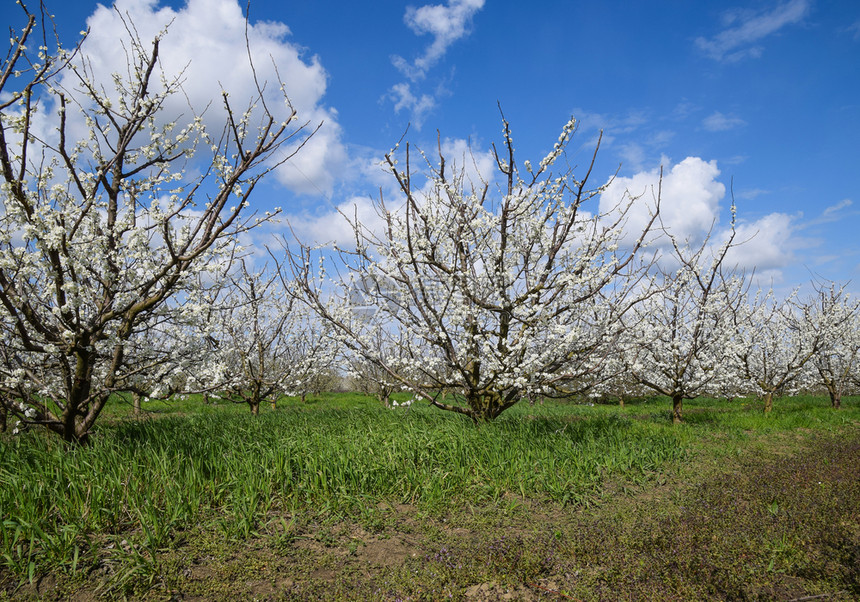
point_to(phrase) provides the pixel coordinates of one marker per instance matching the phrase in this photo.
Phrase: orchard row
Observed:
(122, 268)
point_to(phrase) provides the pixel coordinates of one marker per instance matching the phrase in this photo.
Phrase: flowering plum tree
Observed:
(678, 341)
(778, 337)
(101, 225)
(836, 361)
(175, 353)
(313, 365)
(370, 377)
(485, 282)
(154, 358)
(265, 344)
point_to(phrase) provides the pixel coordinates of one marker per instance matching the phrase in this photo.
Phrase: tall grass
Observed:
(141, 484)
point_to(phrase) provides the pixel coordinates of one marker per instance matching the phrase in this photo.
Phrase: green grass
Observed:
(189, 473)
(120, 406)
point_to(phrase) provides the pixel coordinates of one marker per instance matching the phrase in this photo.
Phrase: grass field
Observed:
(340, 499)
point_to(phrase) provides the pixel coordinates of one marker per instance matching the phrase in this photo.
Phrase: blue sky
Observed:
(761, 97)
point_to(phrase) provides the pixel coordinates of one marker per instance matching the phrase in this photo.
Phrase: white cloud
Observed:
(684, 109)
(689, 202)
(611, 124)
(417, 106)
(752, 193)
(767, 245)
(717, 122)
(690, 207)
(446, 23)
(832, 213)
(634, 153)
(205, 42)
(746, 29)
(333, 227)
(479, 166)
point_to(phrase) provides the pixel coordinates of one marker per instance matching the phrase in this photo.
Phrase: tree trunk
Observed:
(835, 399)
(3, 415)
(677, 406)
(80, 411)
(135, 402)
(486, 407)
(768, 402)
(255, 407)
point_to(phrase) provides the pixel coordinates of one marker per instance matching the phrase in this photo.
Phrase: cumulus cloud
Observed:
(334, 227)
(746, 29)
(717, 122)
(205, 46)
(479, 166)
(766, 245)
(689, 200)
(690, 206)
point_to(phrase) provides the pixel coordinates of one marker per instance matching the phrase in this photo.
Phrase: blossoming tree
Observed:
(266, 344)
(370, 377)
(484, 280)
(835, 363)
(101, 224)
(778, 338)
(678, 342)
